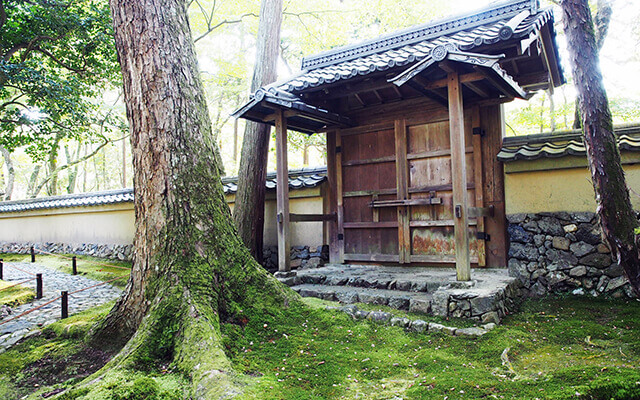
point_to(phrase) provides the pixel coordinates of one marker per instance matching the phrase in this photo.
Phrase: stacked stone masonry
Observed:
(122, 252)
(301, 257)
(563, 252)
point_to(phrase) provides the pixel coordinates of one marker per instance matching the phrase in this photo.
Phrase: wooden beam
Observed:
(282, 193)
(477, 179)
(313, 217)
(334, 245)
(477, 89)
(340, 200)
(459, 177)
(402, 185)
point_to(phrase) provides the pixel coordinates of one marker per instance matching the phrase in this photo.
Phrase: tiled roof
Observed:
(69, 200)
(533, 147)
(298, 179)
(469, 38)
(466, 32)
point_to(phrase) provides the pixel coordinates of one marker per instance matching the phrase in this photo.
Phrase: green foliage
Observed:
(56, 60)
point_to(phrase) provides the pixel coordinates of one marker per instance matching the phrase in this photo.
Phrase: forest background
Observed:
(62, 119)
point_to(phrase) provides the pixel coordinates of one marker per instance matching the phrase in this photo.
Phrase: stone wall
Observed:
(563, 252)
(120, 252)
(301, 257)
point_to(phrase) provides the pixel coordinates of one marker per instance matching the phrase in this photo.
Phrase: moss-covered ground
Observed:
(95, 268)
(556, 348)
(12, 296)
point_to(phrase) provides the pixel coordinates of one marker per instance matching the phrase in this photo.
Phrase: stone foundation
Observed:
(563, 252)
(122, 252)
(301, 257)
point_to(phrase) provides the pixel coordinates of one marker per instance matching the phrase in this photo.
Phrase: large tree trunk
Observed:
(11, 173)
(603, 19)
(252, 171)
(190, 270)
(617, 217)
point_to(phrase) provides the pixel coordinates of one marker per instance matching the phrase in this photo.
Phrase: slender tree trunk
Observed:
(33, 182)
(252, 172)
(73, 172)
(11, 173)
(617, 218)
(602, 21)
(190, 270)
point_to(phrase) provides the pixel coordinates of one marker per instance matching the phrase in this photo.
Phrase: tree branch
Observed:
(57, 61)
(224, 22)
(71, 164)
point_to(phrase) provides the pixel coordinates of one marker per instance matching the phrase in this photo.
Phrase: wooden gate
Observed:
(395, 192)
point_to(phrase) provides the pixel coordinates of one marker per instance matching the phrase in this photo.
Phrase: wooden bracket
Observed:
(313, 217)
(483, 236)
(409, 202)
(479, 131)
(477, 212)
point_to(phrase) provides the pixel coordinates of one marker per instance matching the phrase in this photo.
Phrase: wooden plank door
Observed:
(388, 177)
(368, 168)
(431, 227)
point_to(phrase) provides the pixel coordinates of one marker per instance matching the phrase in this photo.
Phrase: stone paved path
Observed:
(53, 283)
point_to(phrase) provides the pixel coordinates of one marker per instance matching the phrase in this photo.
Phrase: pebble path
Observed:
(53, 282)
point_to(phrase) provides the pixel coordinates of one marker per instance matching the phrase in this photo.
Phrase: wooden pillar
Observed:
(402, 171)
(479, 183)
(459, 176)
(332, 178)
(282, 193)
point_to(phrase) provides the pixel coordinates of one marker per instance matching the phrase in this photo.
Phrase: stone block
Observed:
(521, 251)
(581, 249)
(518, 234)
(440, 303)
(531, 226)
(470, 332)
(373, 298)
(555, 278)
(361, 314)
(434, 327)
(420, 306)
(516, 218)
(489, 327)
(613, 271)
(578, 271)
(490, 317)
(399, 303)
(603, 248)
(560, 243)
(550, 226)
(588, 233)
(481, 305)
(419, 326)
(402, 322)
(347, 297)
(597, 260)
(570, 228)
(555, 255)
(518, 270)
(449, 330)
(616, 283)
(379, 316)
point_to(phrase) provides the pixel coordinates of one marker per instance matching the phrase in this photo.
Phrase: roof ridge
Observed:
(418, 33)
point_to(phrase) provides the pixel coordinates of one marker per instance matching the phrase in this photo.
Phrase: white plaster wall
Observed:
(109, 224)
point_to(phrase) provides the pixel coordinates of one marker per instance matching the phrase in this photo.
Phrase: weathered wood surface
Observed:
(459, 177)
(282, 194)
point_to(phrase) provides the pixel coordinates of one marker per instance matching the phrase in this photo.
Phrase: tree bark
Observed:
(602, 20)
(190, 270)
(617, 218)
(11, 173)
(252, 171)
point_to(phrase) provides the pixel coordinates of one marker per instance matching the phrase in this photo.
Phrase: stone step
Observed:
(419, 302)
(404, 279)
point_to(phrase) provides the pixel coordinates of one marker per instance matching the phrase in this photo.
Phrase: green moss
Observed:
(16, 295)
